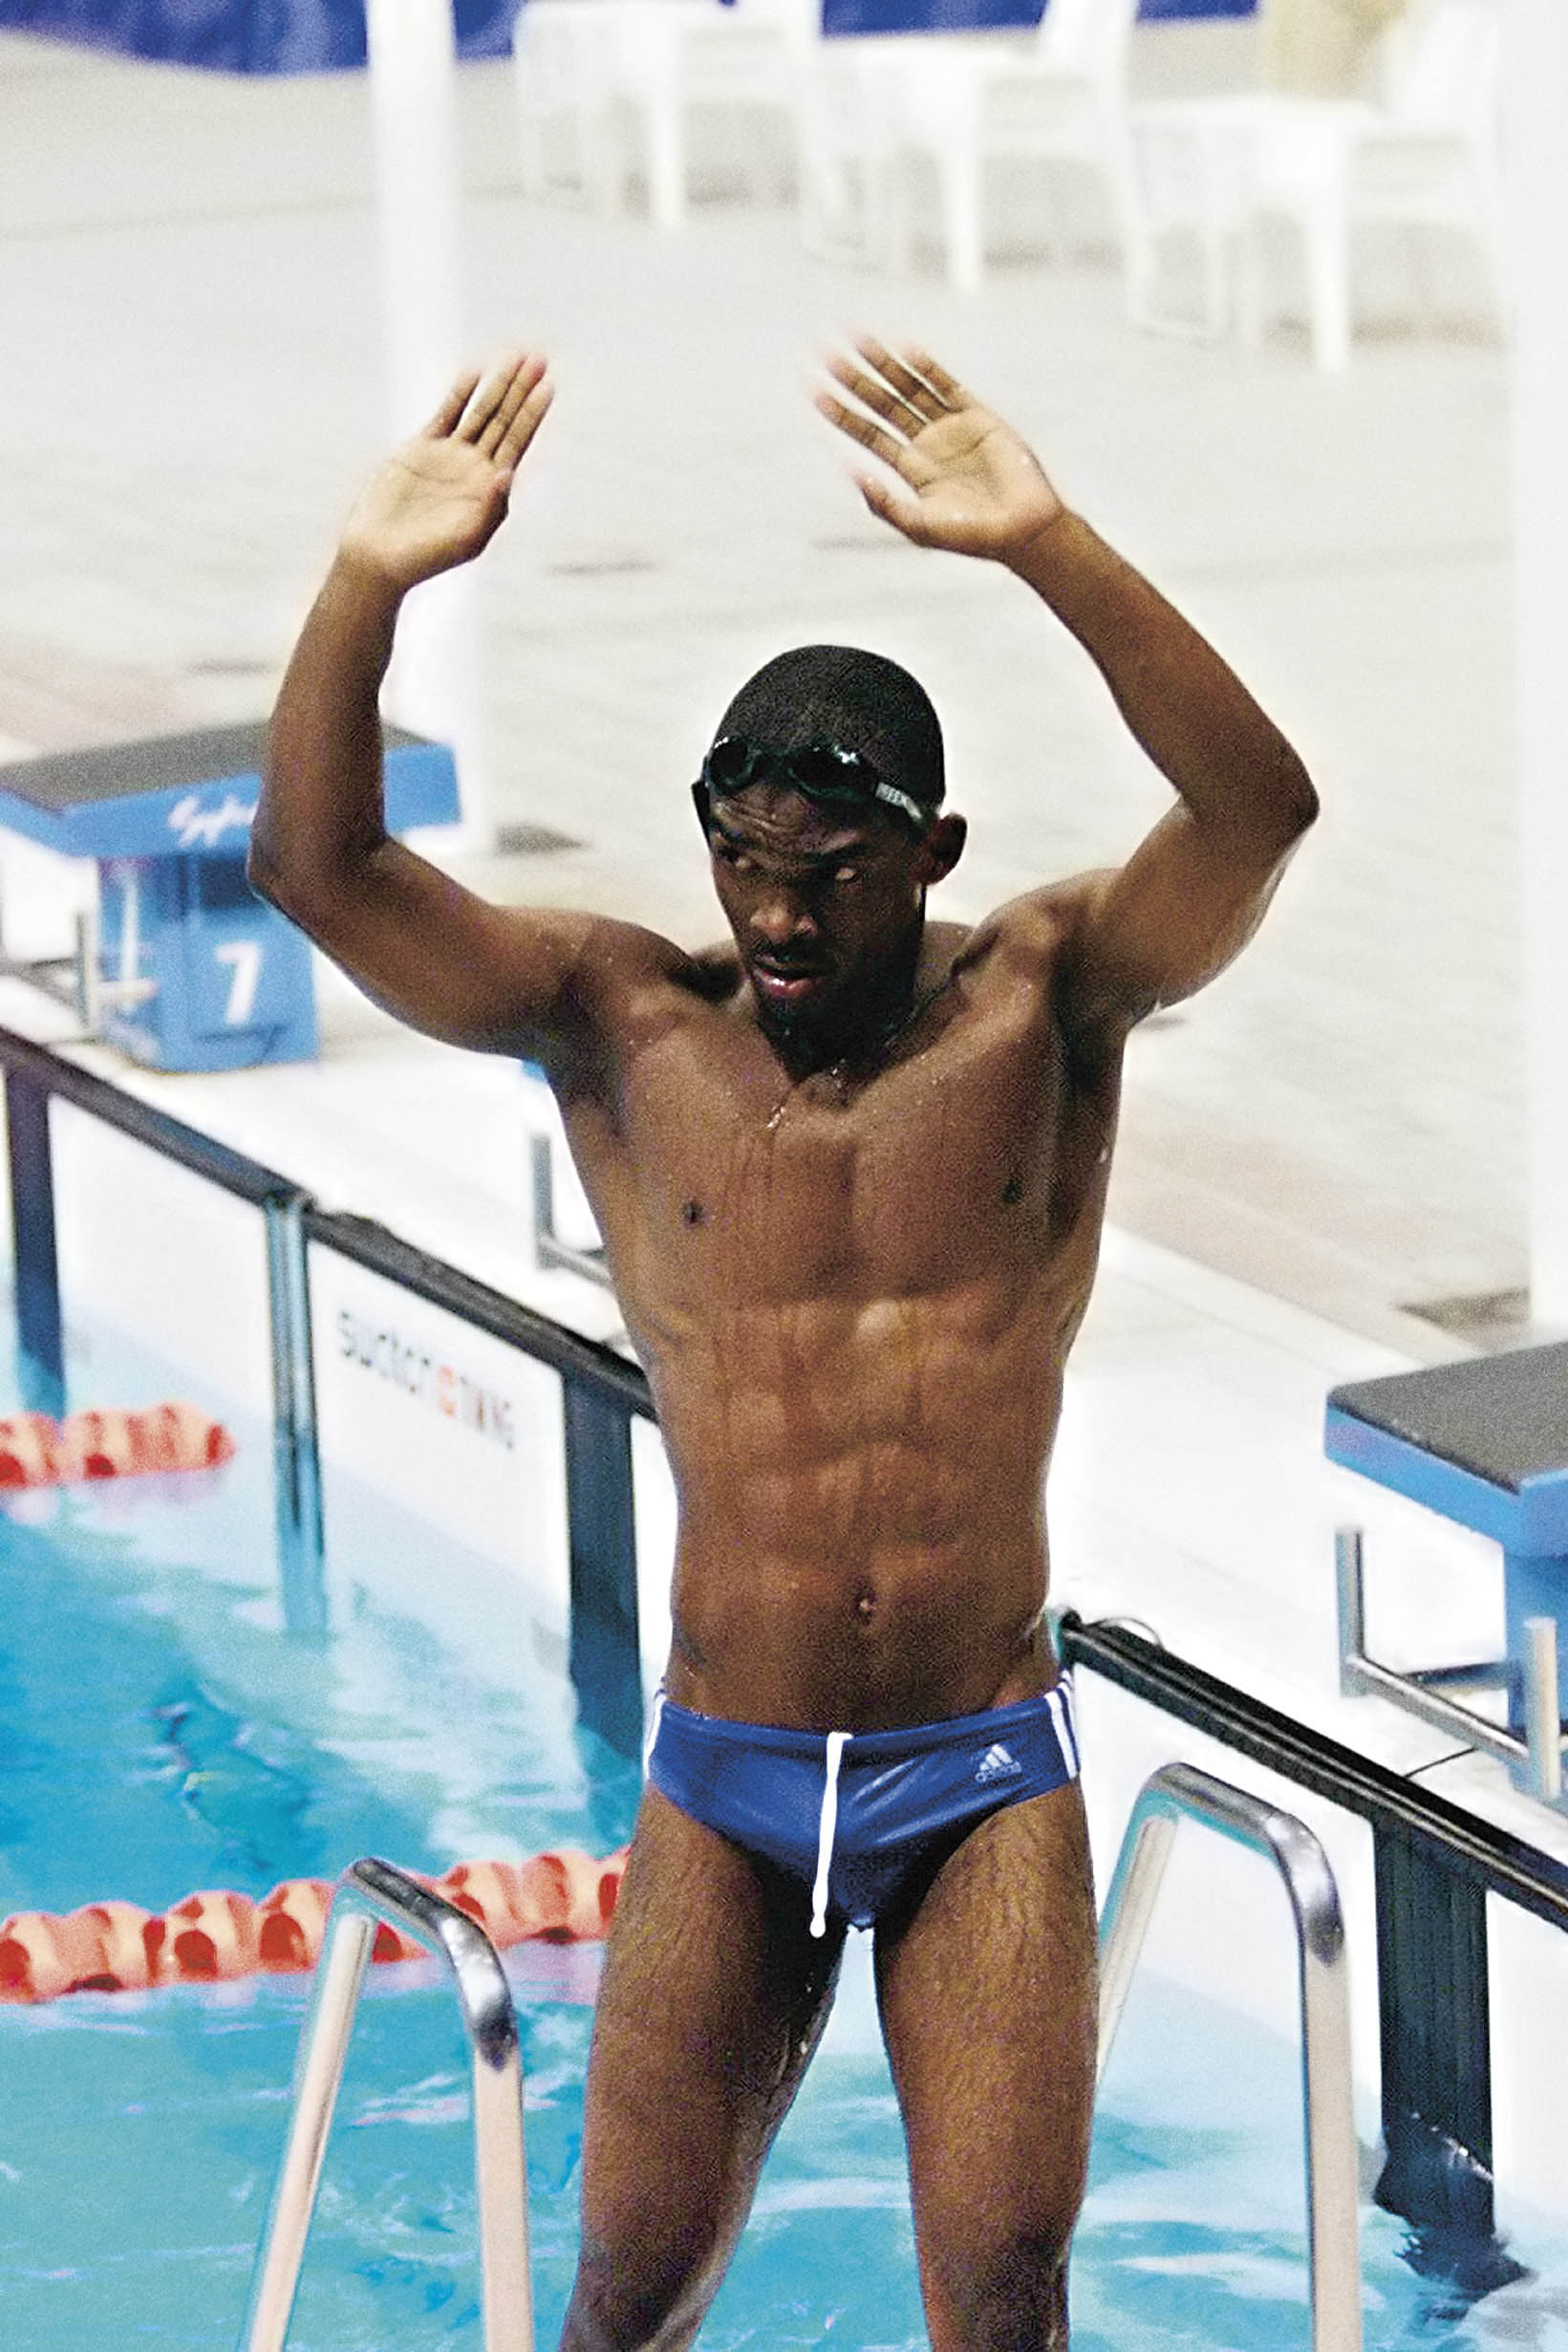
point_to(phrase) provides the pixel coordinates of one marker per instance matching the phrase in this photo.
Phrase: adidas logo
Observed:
(997, 1764)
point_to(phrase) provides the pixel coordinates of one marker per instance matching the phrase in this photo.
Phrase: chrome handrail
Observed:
(367, 1891)
(1180, 1792)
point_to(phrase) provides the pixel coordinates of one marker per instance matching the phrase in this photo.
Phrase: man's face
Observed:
(825, 906)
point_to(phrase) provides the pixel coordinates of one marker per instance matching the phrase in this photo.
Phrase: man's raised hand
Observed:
(441, 498)
(969, 482)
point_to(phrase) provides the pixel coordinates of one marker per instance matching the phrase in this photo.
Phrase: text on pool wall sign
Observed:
(380, 1349)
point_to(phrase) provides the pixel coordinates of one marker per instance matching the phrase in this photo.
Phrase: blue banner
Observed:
(314, 36)
(244, 36)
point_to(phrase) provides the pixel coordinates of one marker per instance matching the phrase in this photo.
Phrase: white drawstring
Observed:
(837, 1742)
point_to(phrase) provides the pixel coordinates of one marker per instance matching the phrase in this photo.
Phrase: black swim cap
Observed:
(840, 694)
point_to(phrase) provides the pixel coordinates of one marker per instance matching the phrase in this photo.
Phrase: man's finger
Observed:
(487, 397)
(873, 395)
(886, 504)
(525, 423)
(866, 430)
(453, 405)
(949, 391)
(923, 399)
(527, 371)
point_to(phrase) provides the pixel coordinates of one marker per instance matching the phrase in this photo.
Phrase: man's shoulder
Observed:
(1030, 932)
(613, 959)
(642, 985)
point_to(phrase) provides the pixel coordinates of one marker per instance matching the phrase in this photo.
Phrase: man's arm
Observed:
(1197, 887)
(420, 945)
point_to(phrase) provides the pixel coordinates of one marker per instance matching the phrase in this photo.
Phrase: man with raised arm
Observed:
(850, 1170)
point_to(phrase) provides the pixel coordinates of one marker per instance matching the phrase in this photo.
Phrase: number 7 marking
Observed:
(244, 956)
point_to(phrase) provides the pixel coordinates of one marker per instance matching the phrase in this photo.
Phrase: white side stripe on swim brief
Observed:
(1059, 1699)
(837, 1742)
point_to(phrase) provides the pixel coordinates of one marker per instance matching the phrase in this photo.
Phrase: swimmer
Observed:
(850, 1170)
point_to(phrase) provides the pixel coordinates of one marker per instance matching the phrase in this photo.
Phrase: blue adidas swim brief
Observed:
(853, 1814)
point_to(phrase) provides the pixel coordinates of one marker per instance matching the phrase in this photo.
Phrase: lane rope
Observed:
(114, 1442)
(215, 1935)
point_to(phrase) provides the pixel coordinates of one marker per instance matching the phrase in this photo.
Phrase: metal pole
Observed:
(1129, 1906)
(370, 1890)
(1332, 2172)
(1536, 94)
(40, 1331)
(501, 2182)
(1535, 1760)
(323, 2048)
(1543, 1722)
(89, 970)
(1332, 2165)
(434, 683)
(296, 1452)
(1350, 1579)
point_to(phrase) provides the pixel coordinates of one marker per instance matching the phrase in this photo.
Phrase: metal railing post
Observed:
(369, 1890)
(1180, 1791)
(1350, 1587)
(324, 2047)
(1535, 1760)
(550, 1250)
(296, 1457)
(41, 1333)
(1543, 1722)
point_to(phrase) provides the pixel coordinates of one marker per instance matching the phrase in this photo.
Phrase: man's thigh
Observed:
(713, 1997)
(988, 1997)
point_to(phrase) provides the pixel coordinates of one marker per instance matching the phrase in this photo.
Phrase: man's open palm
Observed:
(976, 488)
(442, 496)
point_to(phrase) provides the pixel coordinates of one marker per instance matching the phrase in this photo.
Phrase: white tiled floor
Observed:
(188, 280)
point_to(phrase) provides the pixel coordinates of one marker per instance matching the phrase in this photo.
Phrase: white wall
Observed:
(174, 1261)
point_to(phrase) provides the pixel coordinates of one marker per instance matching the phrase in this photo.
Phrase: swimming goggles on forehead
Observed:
(822, 772)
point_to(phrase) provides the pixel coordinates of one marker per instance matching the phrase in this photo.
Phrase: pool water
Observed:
(160, 1734)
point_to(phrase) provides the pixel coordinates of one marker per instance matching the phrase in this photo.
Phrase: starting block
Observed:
(1485, 1443)
(185, 967)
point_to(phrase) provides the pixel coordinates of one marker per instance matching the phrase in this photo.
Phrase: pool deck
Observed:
(194, 384)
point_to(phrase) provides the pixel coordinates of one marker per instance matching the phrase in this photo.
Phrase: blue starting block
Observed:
(190, 970)
(1485, 1443)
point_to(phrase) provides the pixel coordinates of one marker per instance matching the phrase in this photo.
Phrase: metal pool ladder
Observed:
(1168, 1796)
(368, 1891)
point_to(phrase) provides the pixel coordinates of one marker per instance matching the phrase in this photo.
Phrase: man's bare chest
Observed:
(729, 1180)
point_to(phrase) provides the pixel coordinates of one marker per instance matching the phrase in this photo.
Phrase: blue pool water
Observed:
(160, 1734)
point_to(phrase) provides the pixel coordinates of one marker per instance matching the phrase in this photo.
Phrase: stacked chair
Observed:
(1423, 152)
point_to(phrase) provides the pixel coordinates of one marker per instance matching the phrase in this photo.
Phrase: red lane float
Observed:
(216, 1935)
(36, 1450)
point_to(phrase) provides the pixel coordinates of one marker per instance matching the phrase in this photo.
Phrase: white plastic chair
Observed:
(849, 150)
(1425, 155)
(963, 101)
(602, 85)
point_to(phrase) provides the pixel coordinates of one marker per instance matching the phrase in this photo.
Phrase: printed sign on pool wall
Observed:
(446, 1422)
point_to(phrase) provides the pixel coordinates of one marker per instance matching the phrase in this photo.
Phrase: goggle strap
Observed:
(895, 799)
